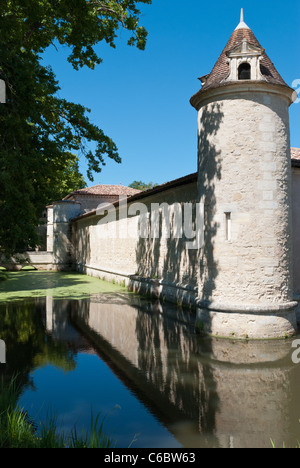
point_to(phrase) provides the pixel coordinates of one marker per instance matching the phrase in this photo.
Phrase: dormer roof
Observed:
(245, 47)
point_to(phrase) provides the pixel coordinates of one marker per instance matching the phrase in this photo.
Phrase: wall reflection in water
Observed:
(208, 392)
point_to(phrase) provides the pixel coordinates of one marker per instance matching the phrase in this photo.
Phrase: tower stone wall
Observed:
(245, 175)
(244, 181)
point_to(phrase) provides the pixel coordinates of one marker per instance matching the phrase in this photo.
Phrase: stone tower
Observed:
(244, 181)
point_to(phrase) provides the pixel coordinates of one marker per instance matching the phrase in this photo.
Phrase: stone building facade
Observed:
(90, 197)
(242, 276)
(235, 254)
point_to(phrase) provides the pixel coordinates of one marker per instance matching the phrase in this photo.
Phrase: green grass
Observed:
(17, 430)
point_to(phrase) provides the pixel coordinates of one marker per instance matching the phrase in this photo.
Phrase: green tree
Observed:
(139, 185)
(67, 180)
(40, 133)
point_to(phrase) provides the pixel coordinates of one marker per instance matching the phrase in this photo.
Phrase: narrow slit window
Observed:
(244, 71)
(228, 226)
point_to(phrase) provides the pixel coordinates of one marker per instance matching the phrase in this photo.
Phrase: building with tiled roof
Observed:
(91, 197)
(237, 255)
(104, 190)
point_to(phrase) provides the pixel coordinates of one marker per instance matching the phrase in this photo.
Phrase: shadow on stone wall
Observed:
(81, 249)
(169, 259)
(209, 170)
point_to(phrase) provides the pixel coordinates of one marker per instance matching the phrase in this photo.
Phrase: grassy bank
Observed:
(17, 430)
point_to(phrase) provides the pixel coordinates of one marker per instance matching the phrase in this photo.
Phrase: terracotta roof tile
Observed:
(105, 190)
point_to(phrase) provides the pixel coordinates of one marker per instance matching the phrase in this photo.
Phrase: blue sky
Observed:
(141, 98)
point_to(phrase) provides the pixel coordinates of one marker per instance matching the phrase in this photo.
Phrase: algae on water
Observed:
(24, 284)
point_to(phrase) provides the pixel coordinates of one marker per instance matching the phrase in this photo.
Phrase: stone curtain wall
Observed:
(161, 265)
(59, 233)
(88, 202)
(240, 276)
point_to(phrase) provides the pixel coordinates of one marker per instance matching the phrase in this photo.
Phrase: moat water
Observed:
(79, 344)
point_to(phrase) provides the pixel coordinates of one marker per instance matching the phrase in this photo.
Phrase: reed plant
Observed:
(94, 438)
(297, 446)
(17, 430)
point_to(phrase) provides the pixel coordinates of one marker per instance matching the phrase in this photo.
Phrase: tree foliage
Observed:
(139, 185)
(40, 133)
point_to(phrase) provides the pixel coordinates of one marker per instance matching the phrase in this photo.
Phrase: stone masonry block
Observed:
(268, 146)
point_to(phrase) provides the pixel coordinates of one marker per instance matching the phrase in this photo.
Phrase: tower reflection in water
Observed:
(207, 391)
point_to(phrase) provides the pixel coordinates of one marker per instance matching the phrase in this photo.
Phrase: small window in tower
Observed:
(244, 71)
(228, 226)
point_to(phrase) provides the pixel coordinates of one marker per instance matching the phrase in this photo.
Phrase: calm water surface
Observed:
(80, 344)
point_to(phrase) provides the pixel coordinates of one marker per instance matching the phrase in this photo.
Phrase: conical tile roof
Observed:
(221, 70)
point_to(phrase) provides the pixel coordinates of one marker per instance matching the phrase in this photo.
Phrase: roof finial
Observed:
(242, 24)
(242, 15)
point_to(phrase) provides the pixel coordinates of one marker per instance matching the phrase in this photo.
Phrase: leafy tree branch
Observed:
(40, 133)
